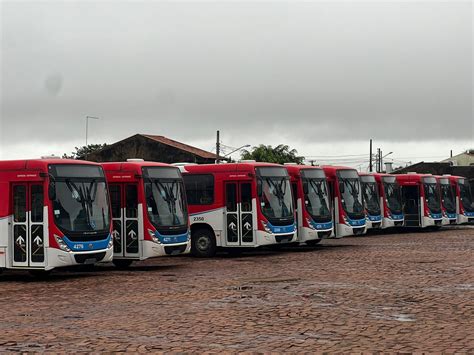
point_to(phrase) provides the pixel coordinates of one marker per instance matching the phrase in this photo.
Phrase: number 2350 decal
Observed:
(197, 219)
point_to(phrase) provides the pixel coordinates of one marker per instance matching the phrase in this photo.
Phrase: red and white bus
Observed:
(149, 210)
(312, 203)
(346, 195)
(372, 201)
(238, 205)
(390, 199)
(53, 213)
(421, 200)
(448, 199)
(464, 200)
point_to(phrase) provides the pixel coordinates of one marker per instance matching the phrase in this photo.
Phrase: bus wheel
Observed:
(203, 243)
(122, 263)
(313, 243)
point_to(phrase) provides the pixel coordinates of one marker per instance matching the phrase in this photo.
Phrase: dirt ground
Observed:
(398, 292)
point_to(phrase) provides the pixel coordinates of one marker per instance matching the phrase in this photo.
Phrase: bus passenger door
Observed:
(124, 200)
(246, 214)
(231, 214)
(28, 226)
(239, 214)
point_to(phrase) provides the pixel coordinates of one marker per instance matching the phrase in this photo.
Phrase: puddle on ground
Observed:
(400, 317)
(404, 317)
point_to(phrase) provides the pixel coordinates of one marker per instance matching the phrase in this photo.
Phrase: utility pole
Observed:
(370, 157)
(218, 147)
(377, 161)
(381, 161)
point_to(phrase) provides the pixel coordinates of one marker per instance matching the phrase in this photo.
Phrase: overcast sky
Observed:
(322, 77)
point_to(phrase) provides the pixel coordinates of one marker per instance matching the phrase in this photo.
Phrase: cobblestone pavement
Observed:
(399, 292)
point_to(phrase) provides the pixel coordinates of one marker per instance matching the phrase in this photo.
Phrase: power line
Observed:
(334, 156)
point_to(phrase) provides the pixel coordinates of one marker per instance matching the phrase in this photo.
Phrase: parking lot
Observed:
(401, 292)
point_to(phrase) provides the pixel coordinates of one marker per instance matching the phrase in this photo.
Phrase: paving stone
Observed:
(409, 292)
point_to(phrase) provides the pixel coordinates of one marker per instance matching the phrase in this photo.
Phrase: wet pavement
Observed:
(398, 292)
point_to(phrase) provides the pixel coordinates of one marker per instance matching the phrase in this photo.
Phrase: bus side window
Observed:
(115, 200)
(19, 203)
(37, 199)
(199, 189)
(131, 198)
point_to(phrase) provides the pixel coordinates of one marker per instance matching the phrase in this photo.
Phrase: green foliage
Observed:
(266, 153)
(81, 152)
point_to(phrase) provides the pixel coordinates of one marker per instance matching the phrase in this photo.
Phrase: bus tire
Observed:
(313, 243)
(122, 263)
(203, 243)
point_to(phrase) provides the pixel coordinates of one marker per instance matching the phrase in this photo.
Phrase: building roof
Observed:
(178, 145)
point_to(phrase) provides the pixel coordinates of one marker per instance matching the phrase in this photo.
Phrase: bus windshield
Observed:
(447, 196)
(165, 198)
(274, 191)
(432, 197)
(80, 198)
(371, 195)
(351, 196)
(316, 197)
(393, 195)
(466, 195)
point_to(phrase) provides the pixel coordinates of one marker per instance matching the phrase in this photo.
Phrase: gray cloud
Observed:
(393, 71)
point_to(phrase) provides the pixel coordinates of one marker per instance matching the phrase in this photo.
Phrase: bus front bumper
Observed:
(59, 258)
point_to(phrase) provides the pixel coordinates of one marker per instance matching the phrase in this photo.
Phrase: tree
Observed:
(266, 153)
(81, 152)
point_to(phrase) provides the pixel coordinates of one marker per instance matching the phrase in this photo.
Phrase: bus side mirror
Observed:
(259, 187)
(52, 190)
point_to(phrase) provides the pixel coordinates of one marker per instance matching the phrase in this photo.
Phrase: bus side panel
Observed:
(4, 234)
(5, 216)
(213, 218)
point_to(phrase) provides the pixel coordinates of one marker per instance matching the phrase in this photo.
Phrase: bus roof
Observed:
(378, 176)
(407, 178)
(295, 169)
(331, 170)
(38, 164)
(225, 168)
(135, 166)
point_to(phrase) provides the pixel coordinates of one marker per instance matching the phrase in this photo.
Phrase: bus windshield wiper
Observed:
(170, 197)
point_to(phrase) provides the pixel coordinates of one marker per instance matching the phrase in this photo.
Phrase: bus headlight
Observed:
(62, 244)
(267, 229)
(111, 243)
(153, 236)
(310, 225)
(346, 221)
